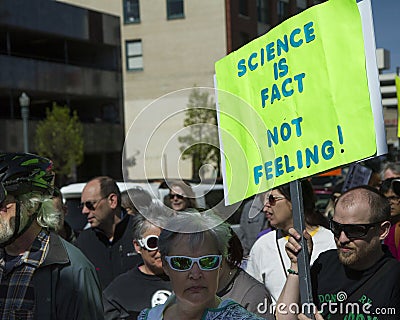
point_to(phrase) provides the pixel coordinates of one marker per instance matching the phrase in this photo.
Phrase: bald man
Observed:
(358, 280)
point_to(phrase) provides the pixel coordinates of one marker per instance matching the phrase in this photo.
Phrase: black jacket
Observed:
(66, 284)
(110, 259)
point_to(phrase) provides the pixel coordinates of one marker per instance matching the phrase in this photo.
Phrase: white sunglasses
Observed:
(184, 263)
(150, 242)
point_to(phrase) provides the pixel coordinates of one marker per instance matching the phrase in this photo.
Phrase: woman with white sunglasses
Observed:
(145, 285)
(192, 247)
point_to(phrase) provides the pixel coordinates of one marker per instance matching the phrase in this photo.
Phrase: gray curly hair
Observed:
(47, 216)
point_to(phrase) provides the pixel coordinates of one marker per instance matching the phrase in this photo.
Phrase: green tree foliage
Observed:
(59, 137)
(201, 145)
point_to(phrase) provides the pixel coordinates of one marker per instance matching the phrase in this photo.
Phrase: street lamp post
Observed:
(24, 103)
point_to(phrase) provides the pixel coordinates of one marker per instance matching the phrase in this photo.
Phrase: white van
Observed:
(72, 199)
(207, 196)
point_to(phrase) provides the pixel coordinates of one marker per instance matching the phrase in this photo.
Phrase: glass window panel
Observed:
(131, 11)
(175, 9)
(262, 11)
(135, 63)
(134, 55)
(283, 10)
(243, 7)
(134, 48)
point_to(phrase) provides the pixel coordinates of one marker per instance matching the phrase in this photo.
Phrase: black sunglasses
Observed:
(352, 231)
(179, 196)
(90, 204)
(273, 199)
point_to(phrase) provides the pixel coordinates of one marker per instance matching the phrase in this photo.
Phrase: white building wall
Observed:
(177, 54)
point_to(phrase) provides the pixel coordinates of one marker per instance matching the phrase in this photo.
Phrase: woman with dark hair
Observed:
(268, 262)
(181, 196)
(393, 238)
(236, 284)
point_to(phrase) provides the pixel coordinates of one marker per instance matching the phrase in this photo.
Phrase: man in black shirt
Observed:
(359, 280)
(108, 244)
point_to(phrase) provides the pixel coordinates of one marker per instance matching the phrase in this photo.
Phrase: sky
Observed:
(386, 16)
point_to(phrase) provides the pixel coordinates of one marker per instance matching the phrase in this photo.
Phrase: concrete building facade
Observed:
(170, 45)
(59, 53)
(389, 100)
(390, 107)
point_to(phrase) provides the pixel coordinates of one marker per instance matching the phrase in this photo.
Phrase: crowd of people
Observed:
(140, 258)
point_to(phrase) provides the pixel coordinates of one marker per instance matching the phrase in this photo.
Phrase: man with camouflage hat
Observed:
(41, 275)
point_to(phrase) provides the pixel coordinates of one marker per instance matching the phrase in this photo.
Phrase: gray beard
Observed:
(7, 228)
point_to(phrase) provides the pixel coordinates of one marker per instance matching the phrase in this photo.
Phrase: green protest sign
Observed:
(295, 102)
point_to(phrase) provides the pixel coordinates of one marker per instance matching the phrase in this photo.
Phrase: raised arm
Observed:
(288, 303)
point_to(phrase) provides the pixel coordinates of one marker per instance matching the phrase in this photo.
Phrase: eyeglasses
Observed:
(352, 231)
(179, 196)
(150, 242)
(272, 200)
(90, 204)
(184, 263)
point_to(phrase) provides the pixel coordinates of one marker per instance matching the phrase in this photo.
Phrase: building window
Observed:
(301, 5)
(175, 9)
(131, 11)
(262, 11)
(134, 55)
(283, 10)
(244, 38)
(243, 8)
